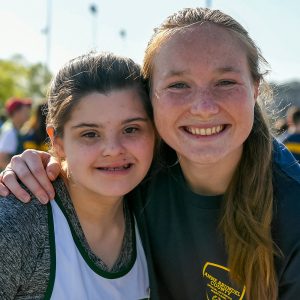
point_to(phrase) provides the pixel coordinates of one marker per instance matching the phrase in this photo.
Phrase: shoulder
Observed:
(23, 229)
(284, 163)
(21, 221)
(286, 218)
(286, 186)
(24, 245)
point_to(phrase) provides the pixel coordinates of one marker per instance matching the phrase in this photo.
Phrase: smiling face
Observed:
(107, 143)
(203, 95)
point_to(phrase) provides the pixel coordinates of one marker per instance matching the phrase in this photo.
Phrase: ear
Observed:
(56, 142)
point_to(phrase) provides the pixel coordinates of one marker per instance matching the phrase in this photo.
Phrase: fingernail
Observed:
(51, 176)
(4, 193)
(43, 199)
(51, 196)
(25, 198)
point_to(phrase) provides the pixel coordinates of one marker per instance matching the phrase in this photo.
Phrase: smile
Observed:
(114, 169)
(205, 131)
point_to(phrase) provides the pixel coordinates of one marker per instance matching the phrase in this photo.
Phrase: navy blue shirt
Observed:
(184, 247)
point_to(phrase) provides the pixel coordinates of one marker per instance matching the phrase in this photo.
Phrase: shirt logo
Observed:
(218, 285)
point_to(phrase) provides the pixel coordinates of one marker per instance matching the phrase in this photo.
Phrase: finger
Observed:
(53, 168)
(29, 169)
(4, 191)
(37, 162)
(44, 175)
(10, 180)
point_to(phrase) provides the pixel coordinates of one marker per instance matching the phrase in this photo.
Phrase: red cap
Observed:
(14, 104)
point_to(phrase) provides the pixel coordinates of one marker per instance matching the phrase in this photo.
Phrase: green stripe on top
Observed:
(52, 253)
(106, 274)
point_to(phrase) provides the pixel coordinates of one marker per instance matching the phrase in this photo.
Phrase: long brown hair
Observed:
(248, 201)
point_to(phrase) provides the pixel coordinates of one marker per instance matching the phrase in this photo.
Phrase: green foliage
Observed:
(21, 79)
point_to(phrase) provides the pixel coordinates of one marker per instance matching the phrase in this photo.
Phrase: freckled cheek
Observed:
(171, 99)
(238, 100)
(244, 118)
(164, 108)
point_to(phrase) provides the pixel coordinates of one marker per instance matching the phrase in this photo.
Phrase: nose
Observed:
(204, 103)
(113, 146)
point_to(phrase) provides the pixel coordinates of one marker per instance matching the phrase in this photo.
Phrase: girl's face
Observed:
(203, 95)
(108, 143)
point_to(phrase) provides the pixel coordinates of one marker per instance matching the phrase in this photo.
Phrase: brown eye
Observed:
(179, 85)
(130, 130)
(90, 134)
(226, 82)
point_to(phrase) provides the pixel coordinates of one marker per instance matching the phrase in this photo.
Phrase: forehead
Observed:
(102, 106)
(206, 43)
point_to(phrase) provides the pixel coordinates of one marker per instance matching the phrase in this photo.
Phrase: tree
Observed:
(21, 79)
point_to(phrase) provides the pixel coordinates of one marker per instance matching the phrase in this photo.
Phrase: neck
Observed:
(94, 209)
(102, 221)
(212, 178)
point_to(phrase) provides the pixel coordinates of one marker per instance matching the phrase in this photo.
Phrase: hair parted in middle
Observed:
(92, 72)
(248, 201)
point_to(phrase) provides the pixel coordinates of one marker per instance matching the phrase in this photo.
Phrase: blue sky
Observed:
(273, 24)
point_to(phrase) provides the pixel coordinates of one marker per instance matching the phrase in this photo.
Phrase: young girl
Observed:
(84, 244)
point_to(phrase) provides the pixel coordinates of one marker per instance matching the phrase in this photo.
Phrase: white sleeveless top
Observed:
(76, 277)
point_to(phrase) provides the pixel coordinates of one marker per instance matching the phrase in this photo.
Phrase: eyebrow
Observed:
(228, 69)
(221, 70)
(97, 125)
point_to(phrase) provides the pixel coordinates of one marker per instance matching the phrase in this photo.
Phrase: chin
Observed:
(204, 157)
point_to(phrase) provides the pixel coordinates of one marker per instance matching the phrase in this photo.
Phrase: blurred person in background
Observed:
(292, 141)
(281, 129)
(285, 126)
(18, 112)
(33, 133)
(289, 118)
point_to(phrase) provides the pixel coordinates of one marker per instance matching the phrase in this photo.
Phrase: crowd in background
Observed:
(287, 130)
(22, 127)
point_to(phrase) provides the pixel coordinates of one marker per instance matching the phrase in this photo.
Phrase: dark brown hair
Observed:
(92, 72)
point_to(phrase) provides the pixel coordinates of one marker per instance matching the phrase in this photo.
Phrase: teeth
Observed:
(117, 168)
(205, 131)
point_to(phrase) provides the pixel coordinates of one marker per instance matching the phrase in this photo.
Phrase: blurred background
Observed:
(39, 36)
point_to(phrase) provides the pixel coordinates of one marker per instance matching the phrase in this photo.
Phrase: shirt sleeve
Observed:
(286, 228)
(289, 282)
(20, 245)
(286, 161)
